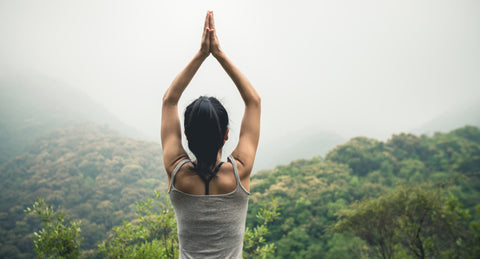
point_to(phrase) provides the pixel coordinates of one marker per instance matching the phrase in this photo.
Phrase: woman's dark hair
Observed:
(206, 122)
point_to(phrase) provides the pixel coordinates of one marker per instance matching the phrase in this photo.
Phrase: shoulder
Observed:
(243, 169)
(175, 164)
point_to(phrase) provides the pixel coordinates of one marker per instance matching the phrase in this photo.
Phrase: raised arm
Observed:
(171, 133)
(246, 148)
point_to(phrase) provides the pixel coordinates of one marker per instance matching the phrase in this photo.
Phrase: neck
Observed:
(219, 157)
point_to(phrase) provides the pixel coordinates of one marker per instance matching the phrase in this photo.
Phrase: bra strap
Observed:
(207, 180)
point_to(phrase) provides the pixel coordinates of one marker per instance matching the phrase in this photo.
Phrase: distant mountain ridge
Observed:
(468, 114)
(300, 144)
(33, 105)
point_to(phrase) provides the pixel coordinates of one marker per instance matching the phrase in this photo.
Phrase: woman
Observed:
(210, 197)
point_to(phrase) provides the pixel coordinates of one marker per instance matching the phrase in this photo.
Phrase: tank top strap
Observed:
(175, 171)
(237, 176)
(235, 168)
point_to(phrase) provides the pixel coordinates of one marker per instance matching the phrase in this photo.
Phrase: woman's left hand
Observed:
(205, 44)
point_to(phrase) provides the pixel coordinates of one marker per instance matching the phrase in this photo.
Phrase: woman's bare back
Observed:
(190, 182)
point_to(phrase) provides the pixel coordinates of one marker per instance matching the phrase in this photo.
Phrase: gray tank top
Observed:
(210, 226)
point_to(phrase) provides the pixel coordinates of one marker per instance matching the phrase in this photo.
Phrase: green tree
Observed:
(414, 221)
(152, 235)
(59, 238)
(475, 234)
(362, 155)
(254, 243)
(345, 246)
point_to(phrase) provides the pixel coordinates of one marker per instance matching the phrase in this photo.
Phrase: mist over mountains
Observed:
(34, 105)
(464, 114)
(294, 145)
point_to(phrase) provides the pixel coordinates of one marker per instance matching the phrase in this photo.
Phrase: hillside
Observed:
(34, 105)
(312, 192)
(97, 176)
(90, 171)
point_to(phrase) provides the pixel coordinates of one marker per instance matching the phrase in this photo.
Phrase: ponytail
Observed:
(206, 122)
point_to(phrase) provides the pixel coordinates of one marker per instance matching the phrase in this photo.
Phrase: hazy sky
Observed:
(353, 67)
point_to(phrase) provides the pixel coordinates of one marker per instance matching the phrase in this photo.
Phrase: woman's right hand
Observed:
(214, 43)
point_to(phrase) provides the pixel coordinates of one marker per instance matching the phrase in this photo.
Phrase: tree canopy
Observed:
(98, 177)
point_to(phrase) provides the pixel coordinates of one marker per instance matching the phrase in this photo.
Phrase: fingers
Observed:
(213, 36)
(211, 25)
(207, 21)
(210, 42)
(206, 37)
(211, 21)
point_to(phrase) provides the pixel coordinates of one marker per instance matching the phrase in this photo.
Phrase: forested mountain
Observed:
(313, 192)
(97, 176)
(90, 171)
(33, 105)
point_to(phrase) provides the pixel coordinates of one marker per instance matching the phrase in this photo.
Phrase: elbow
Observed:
(168, 99)
(165, 99)
(255, 101)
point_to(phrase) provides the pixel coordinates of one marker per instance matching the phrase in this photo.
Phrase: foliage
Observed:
(254, 243)
(97, 176)
(312, 192)
(360, 155)
(152, 235)
(474, 241)
(59, 238)
(309, 194)
(415, 220)
(90, 171)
